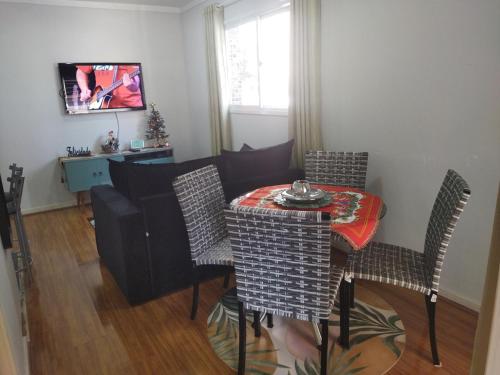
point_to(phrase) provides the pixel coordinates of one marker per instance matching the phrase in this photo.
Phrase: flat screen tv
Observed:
(102, 87)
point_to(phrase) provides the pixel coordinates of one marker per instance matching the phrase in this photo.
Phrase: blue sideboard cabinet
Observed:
(81, 173)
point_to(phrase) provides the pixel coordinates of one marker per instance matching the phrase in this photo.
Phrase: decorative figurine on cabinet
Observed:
(112, 144)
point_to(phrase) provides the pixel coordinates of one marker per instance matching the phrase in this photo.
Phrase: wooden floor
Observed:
(81, 324)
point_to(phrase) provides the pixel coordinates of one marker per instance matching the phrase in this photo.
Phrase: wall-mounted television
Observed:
(102, 87)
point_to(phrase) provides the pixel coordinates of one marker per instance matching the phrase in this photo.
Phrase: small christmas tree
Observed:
(156, 127)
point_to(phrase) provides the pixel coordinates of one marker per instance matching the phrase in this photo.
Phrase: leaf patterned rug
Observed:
(377, 338)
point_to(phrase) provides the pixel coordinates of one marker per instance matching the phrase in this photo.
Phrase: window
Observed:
(258, 61)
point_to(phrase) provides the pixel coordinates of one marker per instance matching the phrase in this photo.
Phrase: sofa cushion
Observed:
(119, 178)
(150, 179)
(239, 165)
(246, 147)
(191, 165)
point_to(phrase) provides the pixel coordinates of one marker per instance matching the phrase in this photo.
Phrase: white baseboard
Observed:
(461, 300)
(49, 207)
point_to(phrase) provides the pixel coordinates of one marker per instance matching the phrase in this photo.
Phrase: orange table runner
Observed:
(355, 213)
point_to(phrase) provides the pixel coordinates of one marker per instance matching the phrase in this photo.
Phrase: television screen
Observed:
(99, 87)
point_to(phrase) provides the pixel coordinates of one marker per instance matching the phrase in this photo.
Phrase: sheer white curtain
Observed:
(304, 112)
(217, 78)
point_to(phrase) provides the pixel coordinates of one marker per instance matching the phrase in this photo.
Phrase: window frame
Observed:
(240, 109)
(258, 109)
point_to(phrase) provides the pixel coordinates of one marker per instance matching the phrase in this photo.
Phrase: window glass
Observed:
(242, 57)
(258, 61)
(274, 59)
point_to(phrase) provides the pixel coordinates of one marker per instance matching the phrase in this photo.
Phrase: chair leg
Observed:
(243, 338)
(270, 323)
(345, 304)
(324, 346)
(256, 323)
(226, 277)
(352, 294)
(430, 302)
(196, 291)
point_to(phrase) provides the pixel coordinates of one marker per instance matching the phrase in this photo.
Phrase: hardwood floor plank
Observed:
(161, 327)
(67, 335)
(455, 332)
(80, 323)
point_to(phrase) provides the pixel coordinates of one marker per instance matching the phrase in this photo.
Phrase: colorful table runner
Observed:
(355, 213)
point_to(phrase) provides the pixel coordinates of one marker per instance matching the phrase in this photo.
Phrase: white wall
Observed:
(10, 316)
(34, 131)
(417, 84)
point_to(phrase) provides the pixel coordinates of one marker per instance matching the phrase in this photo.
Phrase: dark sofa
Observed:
(140, 232)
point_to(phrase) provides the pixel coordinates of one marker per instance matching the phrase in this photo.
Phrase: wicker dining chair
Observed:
(202, 201)
(411, 269)
(14, 210)
(340, 169)
(283, 267)
(337, 168)
(15, 172)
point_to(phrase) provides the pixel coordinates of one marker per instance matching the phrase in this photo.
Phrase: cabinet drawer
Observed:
(103, 169)
(81, 175)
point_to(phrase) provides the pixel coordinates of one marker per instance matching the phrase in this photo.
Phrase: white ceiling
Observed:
(167, 3)
(178, 4)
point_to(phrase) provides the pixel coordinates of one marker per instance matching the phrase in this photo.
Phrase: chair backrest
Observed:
(202, 203)
(18, 192)
(281, 260)
(337, 168)
(17, 186)
(15, 172)
(448, 206)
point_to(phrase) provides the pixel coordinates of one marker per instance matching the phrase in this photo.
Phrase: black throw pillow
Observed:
(246, 147)
(241, 165)
(119, 177)
(150, 179)
(191, 165)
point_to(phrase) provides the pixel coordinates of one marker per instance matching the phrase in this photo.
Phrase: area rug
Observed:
(377, 340)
